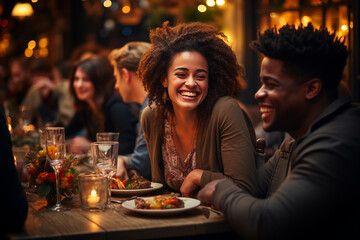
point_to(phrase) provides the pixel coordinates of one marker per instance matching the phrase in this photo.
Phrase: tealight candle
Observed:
(93, 199)
(93, 191)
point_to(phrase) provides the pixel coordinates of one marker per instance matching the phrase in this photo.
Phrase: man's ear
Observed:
(313, 88)
(125, 75)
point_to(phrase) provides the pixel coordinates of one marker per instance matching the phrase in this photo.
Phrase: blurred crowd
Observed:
(35, 93)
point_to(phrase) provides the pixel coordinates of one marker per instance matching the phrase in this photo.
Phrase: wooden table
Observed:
(117, 222)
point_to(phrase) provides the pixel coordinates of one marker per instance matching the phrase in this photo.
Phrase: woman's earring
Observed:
(165, 95)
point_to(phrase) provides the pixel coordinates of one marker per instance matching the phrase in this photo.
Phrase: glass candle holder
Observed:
(20, 164)
(93, 191)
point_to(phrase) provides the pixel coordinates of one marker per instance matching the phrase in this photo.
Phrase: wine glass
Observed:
(105, 156)
(107, 136)
(55, 152)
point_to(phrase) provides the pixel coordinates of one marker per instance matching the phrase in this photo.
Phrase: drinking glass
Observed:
(25, 117)
(105, 156)
(107, 136)
(55, 152)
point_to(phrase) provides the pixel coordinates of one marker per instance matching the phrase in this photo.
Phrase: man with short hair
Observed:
(126, 62)
(310, 188)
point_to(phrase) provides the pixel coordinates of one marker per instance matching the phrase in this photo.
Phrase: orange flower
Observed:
(42, 177)
(52, 151)
(64, 183)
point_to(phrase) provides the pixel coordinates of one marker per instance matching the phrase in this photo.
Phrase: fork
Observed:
(123, 200)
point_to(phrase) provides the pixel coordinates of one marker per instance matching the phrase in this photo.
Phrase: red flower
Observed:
(70, 178)
(51, 177)
(61, 173)
(32, 171)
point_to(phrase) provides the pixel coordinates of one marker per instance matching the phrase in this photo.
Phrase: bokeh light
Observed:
(210, 3)
(305, 20)
(31, 44)
(202, 8)
(28, 52)
(344, 28)
(4, 23)
(107, 3)
(220, 2)
(43, 52)
(43, 42)
(126, 9)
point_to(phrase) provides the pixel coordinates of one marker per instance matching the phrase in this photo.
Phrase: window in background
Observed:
(336, 15)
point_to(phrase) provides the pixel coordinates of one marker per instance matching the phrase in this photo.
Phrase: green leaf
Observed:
(128, 182)
(44, 189)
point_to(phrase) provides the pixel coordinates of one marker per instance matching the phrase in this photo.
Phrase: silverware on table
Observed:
(123, 200)
(206, 211)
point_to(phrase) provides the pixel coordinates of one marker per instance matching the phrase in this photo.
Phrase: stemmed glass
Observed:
(105, 156)
(55, 151)
(107, 136)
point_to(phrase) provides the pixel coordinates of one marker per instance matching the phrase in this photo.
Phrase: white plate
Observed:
(133, 192)
(189, 203)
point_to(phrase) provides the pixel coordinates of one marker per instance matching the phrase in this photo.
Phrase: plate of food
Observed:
(162, 205)
(134, 186)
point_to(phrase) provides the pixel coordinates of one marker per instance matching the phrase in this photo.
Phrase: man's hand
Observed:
(78, 145)
(205, 194)
(191, 184)
(44, 86)
(121, 171)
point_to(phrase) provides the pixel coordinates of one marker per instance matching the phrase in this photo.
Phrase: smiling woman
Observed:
(195, 131)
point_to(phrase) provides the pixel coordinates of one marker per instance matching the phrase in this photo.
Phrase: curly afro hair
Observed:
(225, 73)
(307, 53)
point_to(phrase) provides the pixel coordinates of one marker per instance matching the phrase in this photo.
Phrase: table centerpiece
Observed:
(42, 175)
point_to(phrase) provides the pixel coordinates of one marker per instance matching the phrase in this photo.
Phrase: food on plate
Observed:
(160, 202)
(136, 182)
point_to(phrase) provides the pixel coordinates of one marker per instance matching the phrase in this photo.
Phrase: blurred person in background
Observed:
(40, 98)
(19, 81)
(99, 108)
(126, 62)
(3, 84)
(17, 87)
(65, 101)
(48, 98)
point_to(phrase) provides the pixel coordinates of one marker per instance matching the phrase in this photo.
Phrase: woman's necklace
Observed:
(175, 137)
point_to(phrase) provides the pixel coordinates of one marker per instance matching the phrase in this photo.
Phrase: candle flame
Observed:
(93, 193)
